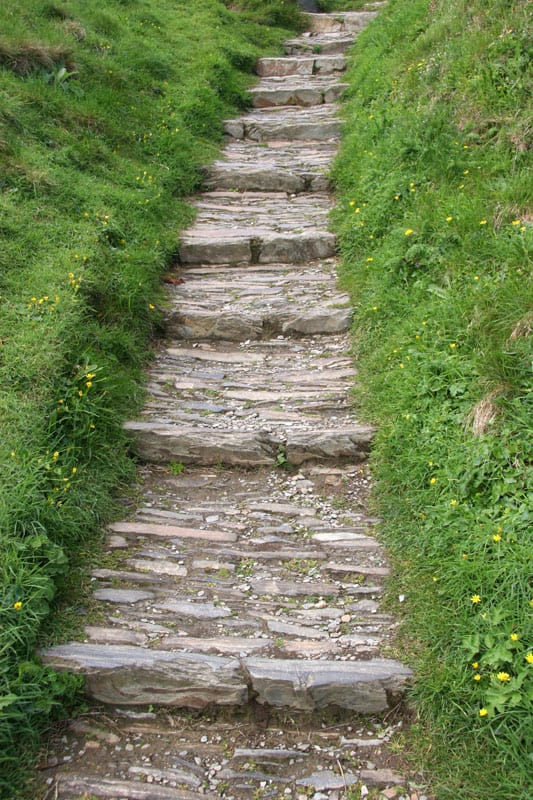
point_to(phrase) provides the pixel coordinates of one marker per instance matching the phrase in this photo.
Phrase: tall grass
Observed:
(107, 112)
(435, 222)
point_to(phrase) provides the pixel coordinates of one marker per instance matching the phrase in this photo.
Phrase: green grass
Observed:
(435, 222)
(107, 112)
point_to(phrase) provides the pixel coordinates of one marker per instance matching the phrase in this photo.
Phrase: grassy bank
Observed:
(106, 114)
(435, 221)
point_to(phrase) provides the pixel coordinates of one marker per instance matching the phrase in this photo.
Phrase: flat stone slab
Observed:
(171, 531)
(310, 685)
(124, 675)
(76, 786)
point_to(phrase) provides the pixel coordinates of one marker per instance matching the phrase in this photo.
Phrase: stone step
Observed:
(161, 443)
(180, 756)
(126, 675)
(313, 65)
(319, 44)
(258, 228)
(340, 22)
(288, 92)
(290, 167)
(240, 304)
(288, 123)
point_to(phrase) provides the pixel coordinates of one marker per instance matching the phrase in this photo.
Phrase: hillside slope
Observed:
(107, 112)
(435, 221)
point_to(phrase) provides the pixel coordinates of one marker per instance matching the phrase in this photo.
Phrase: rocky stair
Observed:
(248, 577)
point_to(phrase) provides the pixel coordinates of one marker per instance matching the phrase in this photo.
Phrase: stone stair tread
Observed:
(131, 675)
(159, 442)
(319, 44)
(283, 91)
(339, 21)
(313, 65)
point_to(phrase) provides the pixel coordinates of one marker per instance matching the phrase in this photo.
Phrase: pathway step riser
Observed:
(341, 22)
(238, 327)
(297, 248)
(270, 131)
(160, 444)
(133, 676)
(283, 67)
(304, 96)
(263, 180)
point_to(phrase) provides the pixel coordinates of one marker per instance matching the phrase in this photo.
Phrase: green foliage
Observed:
(435, 225)
(106, 116)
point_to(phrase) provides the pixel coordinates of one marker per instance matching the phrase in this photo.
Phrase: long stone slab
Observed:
(339, 22)
(160, 443)
(288, 123)
(364, 687)
(323, 43)
(76, 786)
(171, 531)
(282, 92)
(313, 65)
(129, 675)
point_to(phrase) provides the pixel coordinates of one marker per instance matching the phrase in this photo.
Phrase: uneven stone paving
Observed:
(237, 648)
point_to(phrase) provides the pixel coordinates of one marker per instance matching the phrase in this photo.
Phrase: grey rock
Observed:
(122, 595)
(362, 687)
(122, 675)
(327, 779)
(74, 786)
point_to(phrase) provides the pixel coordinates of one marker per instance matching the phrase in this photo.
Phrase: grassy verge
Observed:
(106, 114)
(435, 220)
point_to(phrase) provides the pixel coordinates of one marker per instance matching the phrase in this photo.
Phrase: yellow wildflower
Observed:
(483, 712)
(476, 598)
(503, 677)
(17, 606)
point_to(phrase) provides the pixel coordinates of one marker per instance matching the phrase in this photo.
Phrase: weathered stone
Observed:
(184, 610)
(160, 567)
(334, 444)
(381, 777)
(226, 645)
(362, 686)
(327, 779)
(75, 786)
(326, 43)
(122, 595)
(292, 588)
(122, 675)
(214, 251)
(179, 776)
(171, 531)
(113, 635)
(163, 443)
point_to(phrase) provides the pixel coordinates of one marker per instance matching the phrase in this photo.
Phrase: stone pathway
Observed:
(239, 649)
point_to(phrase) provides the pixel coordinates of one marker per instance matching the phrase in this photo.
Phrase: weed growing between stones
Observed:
(106, 118)
(435, 225)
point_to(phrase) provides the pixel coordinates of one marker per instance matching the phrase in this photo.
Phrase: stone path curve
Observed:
(239, 640)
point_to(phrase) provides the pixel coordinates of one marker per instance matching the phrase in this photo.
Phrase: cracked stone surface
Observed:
(235, 645)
